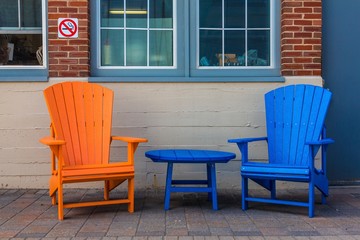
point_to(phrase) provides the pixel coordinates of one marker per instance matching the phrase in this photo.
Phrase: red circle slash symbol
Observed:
(67, 28)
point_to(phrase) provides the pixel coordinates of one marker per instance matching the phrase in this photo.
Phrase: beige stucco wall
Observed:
(181, 115)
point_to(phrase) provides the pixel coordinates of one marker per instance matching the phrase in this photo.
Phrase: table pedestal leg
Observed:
(168, 185)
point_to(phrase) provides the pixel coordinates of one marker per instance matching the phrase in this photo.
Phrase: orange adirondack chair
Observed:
(81, 115)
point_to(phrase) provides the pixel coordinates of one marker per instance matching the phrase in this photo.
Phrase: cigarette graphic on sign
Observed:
(68, 28)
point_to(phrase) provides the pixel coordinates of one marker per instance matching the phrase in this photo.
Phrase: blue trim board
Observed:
(186, 79)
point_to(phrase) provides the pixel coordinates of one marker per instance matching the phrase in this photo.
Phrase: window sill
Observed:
(187, 79)
(24, 79)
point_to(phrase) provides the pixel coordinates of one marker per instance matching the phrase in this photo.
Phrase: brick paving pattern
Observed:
(28, 214)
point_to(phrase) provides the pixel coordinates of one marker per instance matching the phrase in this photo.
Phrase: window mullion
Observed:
(223, 31)
(125, 31)
(271, 30)
(19, 14)
(148, 35)
(246, 33)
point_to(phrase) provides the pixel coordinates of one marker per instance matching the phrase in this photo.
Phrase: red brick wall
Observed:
(69, 57)
(301, 37)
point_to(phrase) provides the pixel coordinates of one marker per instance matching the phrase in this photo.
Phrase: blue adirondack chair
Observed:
(295, 133)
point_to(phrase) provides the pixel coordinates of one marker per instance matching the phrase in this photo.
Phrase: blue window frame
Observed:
(22, 38)
(137, 38)
(185, 40)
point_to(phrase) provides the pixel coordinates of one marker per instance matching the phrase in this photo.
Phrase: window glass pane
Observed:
(9, 13)
(112, 13)
(210, 13)
(112, 47)
(210, 47)
(136, 13)
(259, 14)
(31, 13)
(136, 48)
(161, 48)
(240, 38)
(234, 13)
(161, 14)
(20, 49)
(258, 48)
(141, 42)
(234, 48)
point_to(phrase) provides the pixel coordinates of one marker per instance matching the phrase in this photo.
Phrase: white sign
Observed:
(68, 28)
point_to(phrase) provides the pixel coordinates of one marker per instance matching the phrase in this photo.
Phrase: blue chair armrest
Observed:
(314, 148)
(324, 141)
(315, 145)
(242, 143)
(246, 140)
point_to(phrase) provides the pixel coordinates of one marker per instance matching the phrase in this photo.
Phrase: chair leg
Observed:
(131, 194)
(244, 189)
(323, 198)
(168, 185)
(106, 190)
(311, 199)
(53, 188)
(53, 199)
(324, 190)
(273, 189)
(60, 203)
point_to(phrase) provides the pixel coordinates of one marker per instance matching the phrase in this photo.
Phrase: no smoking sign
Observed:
(68, 28)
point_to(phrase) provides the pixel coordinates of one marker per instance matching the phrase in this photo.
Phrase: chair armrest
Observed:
(314, 148)
(325, 141)
(242, 143)
(132, 143)
(129, 139)
(50, 141)
(315, 145)
(54, 145)
(246, 140)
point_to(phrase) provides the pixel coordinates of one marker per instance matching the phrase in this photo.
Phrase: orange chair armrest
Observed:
(129, 139)
(50, 141)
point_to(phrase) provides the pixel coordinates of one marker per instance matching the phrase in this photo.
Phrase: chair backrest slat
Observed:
(108, 96)
(64, 123)
(297, 99)
(78, 91)
(304, 124)
(279, 123)
(288, 116)
(294, 115)
(81, 115)
(270, 122)
(71, 113)
(52, 104)
(98, 124)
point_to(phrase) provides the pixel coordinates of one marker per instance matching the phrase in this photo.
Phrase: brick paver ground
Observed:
(28, 214)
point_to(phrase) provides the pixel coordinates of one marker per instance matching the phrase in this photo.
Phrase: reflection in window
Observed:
(20, 49)
(30, 13)
(21, 32)
(234, 33)
(137, 33)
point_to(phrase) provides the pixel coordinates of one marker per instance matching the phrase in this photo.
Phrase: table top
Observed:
(189, 156)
